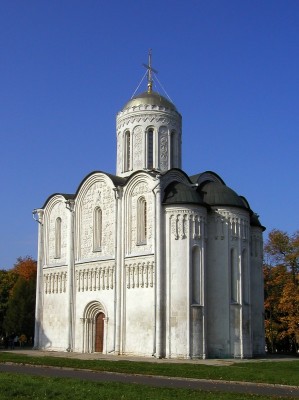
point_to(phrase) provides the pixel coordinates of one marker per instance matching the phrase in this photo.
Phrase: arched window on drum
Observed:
(127, 153)
(141, 221)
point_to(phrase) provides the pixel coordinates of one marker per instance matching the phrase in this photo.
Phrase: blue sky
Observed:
(68, 66)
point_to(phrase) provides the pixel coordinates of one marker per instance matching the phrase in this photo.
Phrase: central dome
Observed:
(152, 99)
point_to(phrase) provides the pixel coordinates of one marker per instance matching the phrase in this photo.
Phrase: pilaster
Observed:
(39, 278)
(71, 275)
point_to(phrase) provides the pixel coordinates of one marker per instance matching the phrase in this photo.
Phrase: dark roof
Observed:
(152, 98)
(209, 176)
(179, 193)
(117, 181)
(254, 221)
(218, 194)
(67, 196)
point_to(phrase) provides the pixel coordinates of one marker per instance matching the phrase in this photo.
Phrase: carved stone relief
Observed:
(137, 138)
(119, 152)
(163, 148)
(98, 195)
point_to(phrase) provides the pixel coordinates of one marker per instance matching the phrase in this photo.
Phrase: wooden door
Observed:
(99, 338)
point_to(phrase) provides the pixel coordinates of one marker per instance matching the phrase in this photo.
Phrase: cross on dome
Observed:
(150, 69)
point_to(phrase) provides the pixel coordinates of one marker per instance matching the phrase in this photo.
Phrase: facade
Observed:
(150, 261)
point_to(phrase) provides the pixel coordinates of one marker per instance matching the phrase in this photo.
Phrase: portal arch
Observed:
(94, 328)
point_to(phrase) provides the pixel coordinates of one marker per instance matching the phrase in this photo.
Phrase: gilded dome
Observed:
(152, 99)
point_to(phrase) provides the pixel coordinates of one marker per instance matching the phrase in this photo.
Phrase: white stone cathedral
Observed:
(150, 261)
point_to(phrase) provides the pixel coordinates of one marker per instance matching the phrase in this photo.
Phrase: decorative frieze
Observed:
(97, 278)
(140, 275)
(55, 282)
(148, 117)
(178, 226)
(198, 226)
(187, 223)
(236, 225)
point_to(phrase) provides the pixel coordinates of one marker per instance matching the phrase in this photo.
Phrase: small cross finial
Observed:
(150, 70)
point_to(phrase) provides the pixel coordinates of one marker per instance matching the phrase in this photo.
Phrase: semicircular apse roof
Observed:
(179, 193)
(218, 194)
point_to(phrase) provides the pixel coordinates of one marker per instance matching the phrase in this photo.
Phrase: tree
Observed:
(7, 281)
(283, 249)
(17, 298)
(281, 275)
(25, 267)
(19, 316)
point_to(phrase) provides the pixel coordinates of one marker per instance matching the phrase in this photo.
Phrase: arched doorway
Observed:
(99, 333)
(94, 328)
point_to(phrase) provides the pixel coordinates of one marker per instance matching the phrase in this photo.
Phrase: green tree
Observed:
(17, 298)
(7, 281)
(19, 316)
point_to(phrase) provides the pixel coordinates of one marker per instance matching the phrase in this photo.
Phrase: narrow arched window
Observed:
(58, 238)
(234, 278)
(127, 160)
(97, 229)
(196, 276)
(245, 277)
(141, 221)
(150, 149)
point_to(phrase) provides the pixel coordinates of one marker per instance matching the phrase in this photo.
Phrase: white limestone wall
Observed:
(166, 127)
(185, 320)
(257, 291)
(53, 312)
(139, 307)
(228, 297)
(54, 331)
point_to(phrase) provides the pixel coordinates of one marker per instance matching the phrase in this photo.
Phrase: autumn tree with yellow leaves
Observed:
(281, 276)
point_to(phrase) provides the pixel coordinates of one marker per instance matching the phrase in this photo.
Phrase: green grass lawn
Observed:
(284, 372)
(23, 387)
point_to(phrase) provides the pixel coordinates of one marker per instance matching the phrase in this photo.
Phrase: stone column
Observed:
(70, 274)
(39, 279)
